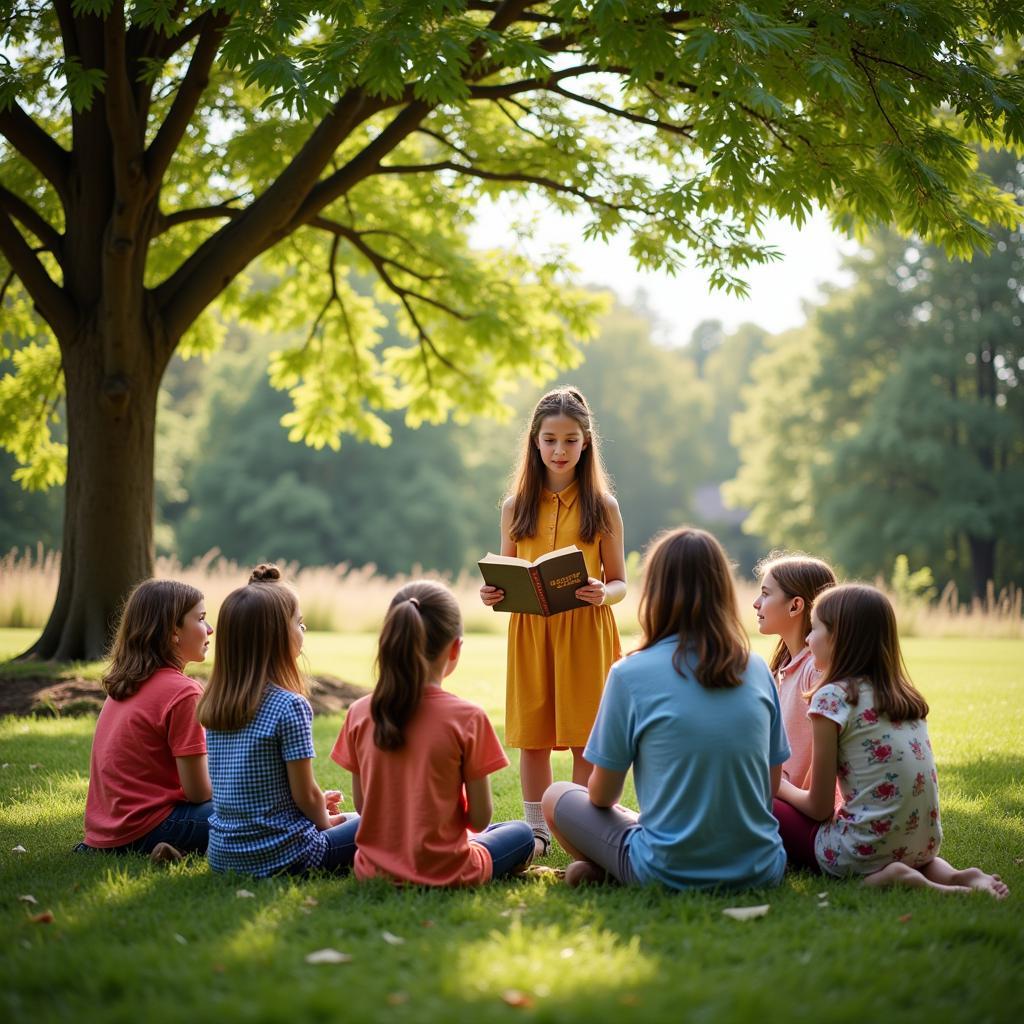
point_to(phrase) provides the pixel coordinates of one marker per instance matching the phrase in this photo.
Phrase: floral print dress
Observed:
(890, 808)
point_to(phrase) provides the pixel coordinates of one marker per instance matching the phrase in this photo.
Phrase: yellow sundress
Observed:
(557, 665)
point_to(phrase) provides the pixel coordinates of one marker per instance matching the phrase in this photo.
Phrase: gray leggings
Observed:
(601, 834)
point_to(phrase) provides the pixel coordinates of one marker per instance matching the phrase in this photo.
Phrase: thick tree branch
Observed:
(48, 157)
(122, 119)
(222, 210)
(48, 297)
(32, 219)
(171, 132)
(68, 31)
(365, 163)
(285, 205)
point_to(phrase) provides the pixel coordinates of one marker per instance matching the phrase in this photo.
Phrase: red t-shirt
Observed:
(133, 777)
(413, 824)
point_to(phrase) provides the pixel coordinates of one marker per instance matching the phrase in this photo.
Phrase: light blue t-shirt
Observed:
(256, 826)
(701, 765)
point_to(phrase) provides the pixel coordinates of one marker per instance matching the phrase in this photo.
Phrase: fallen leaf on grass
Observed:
(244, 894)
(328, 956)
(822, 895)
(426, 924)
(311, 901)
(179, 938)
(1016, 860)
(18, 849)
(904, 918)
(397, 998)
(520, 1000)
(33, 767)
(746, 913)
(391, 939)
(46, 917)
(28, 898)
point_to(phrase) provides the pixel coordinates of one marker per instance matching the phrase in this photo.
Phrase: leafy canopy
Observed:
(343, 147)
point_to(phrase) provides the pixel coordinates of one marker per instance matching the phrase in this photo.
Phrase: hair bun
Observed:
(264, 573)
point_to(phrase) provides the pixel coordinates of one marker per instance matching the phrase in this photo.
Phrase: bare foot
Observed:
(900, 874)
(582, 872)
(975, 878)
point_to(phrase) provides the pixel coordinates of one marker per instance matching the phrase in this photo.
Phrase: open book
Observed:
(543, 587)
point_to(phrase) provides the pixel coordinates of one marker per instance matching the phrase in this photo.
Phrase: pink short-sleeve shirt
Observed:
(413, 826)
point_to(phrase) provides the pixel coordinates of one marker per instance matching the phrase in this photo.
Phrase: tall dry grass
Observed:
(344, 599)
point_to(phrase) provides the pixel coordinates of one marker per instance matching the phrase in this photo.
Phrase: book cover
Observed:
(546, 586)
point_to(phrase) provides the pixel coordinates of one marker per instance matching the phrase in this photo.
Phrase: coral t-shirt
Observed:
(413, 826)
(133, 777)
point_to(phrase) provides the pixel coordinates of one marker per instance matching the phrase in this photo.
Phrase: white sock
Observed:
(535, 819)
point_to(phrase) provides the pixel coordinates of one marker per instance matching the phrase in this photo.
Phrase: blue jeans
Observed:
(510, 844)
(341, 845)
(186, 828)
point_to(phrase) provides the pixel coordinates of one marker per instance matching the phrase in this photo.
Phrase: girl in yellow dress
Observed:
(557, 665)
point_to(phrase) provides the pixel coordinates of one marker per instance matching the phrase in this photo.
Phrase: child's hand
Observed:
(593, 593)
(333, 797)
(335, 819)
(491, 595)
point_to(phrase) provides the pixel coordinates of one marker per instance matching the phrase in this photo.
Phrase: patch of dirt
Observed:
(40, 695)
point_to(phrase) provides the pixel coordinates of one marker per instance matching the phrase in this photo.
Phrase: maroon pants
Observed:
(798, 833)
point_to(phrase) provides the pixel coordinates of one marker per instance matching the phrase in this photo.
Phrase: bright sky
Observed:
(811, 257)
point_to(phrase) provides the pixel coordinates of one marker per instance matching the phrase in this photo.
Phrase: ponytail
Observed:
(421, 622)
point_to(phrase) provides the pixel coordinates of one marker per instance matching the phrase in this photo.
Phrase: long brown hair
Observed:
(254, 649)
(866, 645)
(689, 594)
(797, 575)
(144, 639)
(422, 621)
(528, 477)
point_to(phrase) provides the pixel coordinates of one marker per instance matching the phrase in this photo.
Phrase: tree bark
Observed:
(108, 518)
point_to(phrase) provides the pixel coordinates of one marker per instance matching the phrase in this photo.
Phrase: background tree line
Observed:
(891, 422)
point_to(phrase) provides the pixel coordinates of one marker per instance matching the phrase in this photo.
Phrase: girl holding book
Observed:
(697, 717)
(269, 816)
(557, 664)
(149, 790)
(869, 730)
(789, 586)
(420, 758)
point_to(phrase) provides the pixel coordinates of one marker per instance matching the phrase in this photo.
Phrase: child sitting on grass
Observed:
(869, 729)
(420, 758)
(270, 815)
(149, 790)
(698, 718)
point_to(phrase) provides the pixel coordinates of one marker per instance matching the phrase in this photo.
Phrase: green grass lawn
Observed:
(132, 942)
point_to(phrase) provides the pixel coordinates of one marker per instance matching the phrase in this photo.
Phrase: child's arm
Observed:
(308, 795)
(478, 804)
(818, 802)
(613, 559)
(492, 595)
(194, 778)
(605, 786)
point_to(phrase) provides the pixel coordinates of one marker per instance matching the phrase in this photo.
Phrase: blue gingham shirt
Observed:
(256, 826)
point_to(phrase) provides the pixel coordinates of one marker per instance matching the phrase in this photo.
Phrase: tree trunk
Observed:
(108, 518)
(983, 564)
